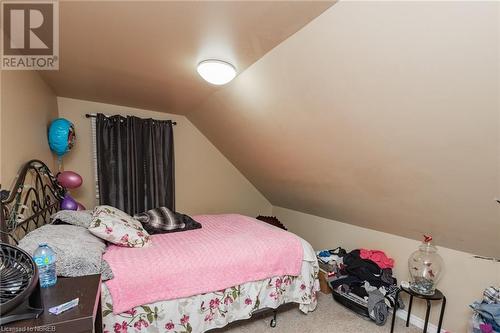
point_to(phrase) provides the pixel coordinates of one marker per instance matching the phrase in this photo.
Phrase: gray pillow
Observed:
(78, 252)
(81, 218)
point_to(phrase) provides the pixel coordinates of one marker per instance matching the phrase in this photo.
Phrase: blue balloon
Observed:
(61, 136)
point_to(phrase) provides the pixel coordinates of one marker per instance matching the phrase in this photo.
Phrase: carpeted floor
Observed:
(329, 317)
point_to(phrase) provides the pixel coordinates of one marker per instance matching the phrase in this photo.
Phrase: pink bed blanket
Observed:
(227, 251)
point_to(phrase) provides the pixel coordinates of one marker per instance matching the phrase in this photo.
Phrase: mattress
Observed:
(203, 312)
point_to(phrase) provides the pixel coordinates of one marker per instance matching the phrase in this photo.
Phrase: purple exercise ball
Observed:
(69, 203)
(80, 206)
(69, 179)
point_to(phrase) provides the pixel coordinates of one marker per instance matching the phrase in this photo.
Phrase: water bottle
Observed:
(45, 259)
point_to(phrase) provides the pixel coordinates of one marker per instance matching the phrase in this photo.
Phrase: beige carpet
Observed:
(329, 317)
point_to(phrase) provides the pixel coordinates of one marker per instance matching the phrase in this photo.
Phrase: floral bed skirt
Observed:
(200, 313)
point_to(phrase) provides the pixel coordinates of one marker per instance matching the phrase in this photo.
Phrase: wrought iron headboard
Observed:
(28, 205)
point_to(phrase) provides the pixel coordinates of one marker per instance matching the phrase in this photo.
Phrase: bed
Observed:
(36, 196)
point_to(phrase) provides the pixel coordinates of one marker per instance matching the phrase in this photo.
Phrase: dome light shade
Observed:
(216, 72)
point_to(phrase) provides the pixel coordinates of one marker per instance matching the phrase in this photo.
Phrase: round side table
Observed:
(438, 296)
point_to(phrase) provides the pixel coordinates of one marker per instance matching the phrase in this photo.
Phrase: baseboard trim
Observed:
(419, 322)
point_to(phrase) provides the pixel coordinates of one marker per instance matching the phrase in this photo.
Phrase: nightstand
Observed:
(437, 296)
(86, 317)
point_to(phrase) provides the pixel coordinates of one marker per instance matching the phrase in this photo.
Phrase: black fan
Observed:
(19, 288)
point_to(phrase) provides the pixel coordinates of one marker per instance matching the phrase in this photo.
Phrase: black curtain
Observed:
(135, 163)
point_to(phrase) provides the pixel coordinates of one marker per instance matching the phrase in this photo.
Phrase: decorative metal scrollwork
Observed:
(34, 197)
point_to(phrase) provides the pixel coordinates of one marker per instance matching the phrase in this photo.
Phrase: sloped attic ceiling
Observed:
(144, 53)
(379, 114)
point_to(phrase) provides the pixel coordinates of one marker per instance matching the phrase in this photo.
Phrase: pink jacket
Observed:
(378, 257)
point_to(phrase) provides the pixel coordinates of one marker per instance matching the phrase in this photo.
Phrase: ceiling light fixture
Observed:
(216, 72)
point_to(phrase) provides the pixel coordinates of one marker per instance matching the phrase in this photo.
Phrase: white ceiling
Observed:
(144, 53)
(384, 115)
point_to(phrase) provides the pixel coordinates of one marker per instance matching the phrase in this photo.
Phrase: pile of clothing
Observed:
(365, 275)
(486, 317)
(329, 260)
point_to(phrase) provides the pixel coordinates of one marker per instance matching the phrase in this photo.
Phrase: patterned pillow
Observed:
(162, 220)
(117, 227)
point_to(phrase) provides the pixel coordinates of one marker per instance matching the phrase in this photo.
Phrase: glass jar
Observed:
(426, 267)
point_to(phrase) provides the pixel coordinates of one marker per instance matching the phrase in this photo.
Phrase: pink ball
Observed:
(69, 179)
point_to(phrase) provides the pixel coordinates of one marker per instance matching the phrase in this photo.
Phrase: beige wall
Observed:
(464, 279)
(28, 105)
(206, 182)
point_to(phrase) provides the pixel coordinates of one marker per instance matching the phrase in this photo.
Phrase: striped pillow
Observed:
(162, 220)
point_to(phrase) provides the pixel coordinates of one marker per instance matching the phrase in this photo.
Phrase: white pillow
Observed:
(80, 218)
(117, 227)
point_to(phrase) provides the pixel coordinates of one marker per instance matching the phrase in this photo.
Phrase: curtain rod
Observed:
(93, 115)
